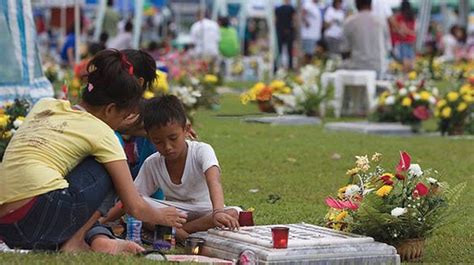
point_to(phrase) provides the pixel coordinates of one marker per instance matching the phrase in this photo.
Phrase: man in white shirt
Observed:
(123, 40)
(205, 35)
(311, 27)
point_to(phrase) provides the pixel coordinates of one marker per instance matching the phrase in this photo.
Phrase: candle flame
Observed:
(195, 250)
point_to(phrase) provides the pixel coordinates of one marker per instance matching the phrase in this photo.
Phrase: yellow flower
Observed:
(406, 102)
(441, 103)
(341, 216)
(465, 89)
(453, 96)
(342, 190)
(4, 121)
(160, 85)
(277, 84)
(446, 113)
(251, 209)
(412, 75)
(384, 190)
(353, 171)
(286, 90)
(258, 86)
(20, 118)
(244, 98)
(468, 98)
(75, 84)
(148, 94)
(462, 107)
(210, 79)
(425, 95)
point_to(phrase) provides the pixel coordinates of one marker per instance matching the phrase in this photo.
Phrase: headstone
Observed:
(285, 120)
(384, 128)
(307, 244)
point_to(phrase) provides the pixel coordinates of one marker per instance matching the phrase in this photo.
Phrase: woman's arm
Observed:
(221, 219)
(134, 204)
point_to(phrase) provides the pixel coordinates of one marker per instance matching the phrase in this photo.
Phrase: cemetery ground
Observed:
(285, 172)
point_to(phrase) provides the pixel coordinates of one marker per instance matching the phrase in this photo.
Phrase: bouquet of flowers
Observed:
(11, 118)
(455, 109)
(392, 205)
(410, 103)
(265, 94)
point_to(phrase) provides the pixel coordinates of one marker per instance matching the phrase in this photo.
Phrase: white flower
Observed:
(352, 190)
(363, 163)
(416, 96)
(12, 131)
(432, 100)
(432, 180)
(412, 88)
(435, 91)
(403, 92)
(194, 81)
(390, 100)
(367, 191)
(415, 170)
(17, 123)
(398, 211)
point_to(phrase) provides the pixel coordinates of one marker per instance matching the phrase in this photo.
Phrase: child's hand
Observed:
(171, 217)
(222, 220)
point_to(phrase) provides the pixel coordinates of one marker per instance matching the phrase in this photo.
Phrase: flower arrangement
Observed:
(11, 118)
(392, 205)
(455, 109)
(264, 94)
(410, 103)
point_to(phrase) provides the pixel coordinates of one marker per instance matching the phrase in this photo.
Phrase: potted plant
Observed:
(454, 110)
(263, 94)
(410, 103)
(401, 207)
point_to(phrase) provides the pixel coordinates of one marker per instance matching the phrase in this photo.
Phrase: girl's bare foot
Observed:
(104, 244)
(73, 245)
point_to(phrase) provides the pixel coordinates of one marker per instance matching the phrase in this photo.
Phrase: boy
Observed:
(187, 171)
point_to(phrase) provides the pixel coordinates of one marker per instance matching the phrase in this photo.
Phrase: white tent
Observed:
(21, 75)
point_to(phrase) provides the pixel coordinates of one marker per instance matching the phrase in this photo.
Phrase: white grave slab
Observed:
(384, 128)
(307, 244)
(285, 120)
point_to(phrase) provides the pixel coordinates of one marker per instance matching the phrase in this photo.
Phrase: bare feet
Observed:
(73, 246)
(104, 244)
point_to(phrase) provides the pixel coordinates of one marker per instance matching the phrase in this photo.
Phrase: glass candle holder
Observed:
(194, 245)
(246, 218)
(280, 236)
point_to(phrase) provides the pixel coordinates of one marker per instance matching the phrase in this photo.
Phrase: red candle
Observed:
(280, 236)
(246, 218)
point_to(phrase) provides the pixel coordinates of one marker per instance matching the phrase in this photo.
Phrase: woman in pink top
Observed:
(404, 36)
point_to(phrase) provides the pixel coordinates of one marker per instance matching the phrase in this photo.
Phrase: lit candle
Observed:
(196, 250)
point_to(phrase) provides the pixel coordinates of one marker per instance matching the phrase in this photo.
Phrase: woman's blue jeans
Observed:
(57, 215)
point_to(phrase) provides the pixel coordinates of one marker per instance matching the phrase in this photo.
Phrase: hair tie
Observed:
(90, 87)
(126, 63)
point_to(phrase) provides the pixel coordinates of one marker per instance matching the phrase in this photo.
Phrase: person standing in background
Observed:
(111, 20)
(404, 36)
(285, 30)
(311, 27)
(205, 35)
(333, 20)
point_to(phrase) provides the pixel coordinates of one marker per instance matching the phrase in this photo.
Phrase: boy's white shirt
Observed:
(193, 188)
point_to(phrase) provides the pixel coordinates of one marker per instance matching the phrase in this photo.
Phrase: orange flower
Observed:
(265, 94)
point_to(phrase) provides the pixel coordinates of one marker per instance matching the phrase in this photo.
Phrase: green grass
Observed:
(295, 163)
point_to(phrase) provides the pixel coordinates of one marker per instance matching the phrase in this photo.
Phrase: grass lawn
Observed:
(295, 163)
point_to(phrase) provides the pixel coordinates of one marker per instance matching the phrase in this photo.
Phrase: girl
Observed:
(404, 36)
(51, 191)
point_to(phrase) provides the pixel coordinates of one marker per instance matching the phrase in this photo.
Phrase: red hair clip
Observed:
(126, 63)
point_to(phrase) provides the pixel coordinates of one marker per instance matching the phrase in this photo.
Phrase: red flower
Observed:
(420, 190)
(421, 113)
(400, 84)
(340, 205)
(404, 163)
(399, 176)
(387, 179)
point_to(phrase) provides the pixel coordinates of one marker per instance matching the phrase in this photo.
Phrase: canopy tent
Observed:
(22, 75)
